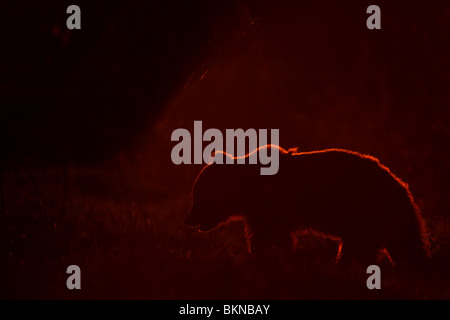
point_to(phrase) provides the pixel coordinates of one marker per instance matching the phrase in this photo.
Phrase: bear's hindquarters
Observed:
(405, 239)
(392, 223)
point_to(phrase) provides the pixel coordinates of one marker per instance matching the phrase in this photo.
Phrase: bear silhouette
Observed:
(336, 192)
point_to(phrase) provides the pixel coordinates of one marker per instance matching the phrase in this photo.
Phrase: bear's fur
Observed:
(337, 192)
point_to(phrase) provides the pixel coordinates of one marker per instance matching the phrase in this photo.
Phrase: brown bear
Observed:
(337, 192)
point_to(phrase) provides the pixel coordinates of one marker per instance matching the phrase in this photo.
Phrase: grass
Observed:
(134, 245)
(121, 220)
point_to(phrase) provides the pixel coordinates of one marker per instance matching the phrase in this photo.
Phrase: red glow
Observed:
(294, 152)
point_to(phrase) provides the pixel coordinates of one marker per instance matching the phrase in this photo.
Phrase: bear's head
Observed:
(217, 195)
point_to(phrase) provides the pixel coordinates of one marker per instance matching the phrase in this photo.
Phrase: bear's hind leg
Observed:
(358, 250)
(407, 248)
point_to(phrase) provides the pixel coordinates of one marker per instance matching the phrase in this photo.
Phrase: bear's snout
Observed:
(191, 221)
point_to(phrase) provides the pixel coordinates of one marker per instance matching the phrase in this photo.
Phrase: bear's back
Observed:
(336, 192)
(320, 190)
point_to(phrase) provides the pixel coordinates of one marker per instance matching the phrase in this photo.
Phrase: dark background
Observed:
(86, 117)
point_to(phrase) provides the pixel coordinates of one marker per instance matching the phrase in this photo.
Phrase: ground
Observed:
(86, 174)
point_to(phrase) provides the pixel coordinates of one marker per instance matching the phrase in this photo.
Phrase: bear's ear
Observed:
(216, 157)
(212, 157)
